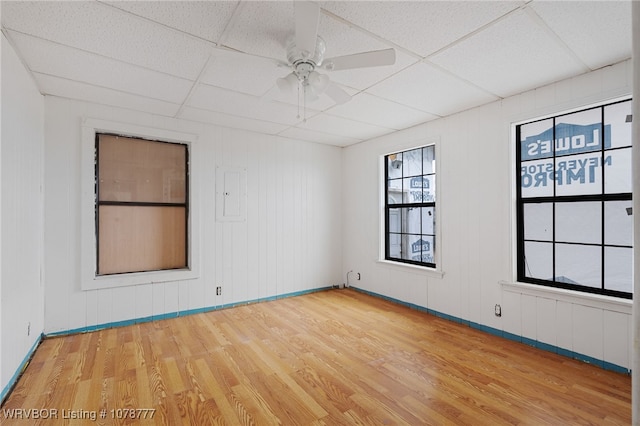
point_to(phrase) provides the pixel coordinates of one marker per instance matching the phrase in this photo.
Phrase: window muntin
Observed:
(574, 201)
(410, 201)
(141, 205)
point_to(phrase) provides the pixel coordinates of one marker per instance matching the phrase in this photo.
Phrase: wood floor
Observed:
(328, 358)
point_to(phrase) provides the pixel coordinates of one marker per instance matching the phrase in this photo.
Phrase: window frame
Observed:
(602, 198)
(385, 257)
(90, 280)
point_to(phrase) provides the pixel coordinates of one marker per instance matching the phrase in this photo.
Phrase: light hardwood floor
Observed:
(328, 358)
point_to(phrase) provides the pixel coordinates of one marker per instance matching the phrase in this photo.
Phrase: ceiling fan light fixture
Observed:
(288, 83)
(310, 94)
(318, 81)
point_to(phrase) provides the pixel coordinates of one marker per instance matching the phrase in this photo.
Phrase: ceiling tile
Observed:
(374, 110)
(319, 137)
(56, 86)
(243, 73)
(261, 28)
(204, 19)
(226, 120)
(510, 57)
(344, 127)
(72, 64)
(607, 40)
(102, 29)
(242, 105)
(425, 87)
(422, 27)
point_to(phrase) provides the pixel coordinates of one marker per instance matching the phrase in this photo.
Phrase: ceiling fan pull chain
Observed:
(298, 94)
(304, 104)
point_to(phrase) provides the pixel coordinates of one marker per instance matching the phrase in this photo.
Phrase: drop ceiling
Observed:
(217, 61)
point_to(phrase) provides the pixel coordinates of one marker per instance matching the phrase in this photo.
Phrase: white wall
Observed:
(290, 242)
(22, 147)
(635, 362)
(475, 198)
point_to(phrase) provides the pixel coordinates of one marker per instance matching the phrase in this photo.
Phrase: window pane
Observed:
(617, 171)
(429, 159)
(576, 264)
(617, 129)
(618, 267)
(135, 239)
(142, 171)
(420, 189)
(394, 191)
(420, 248)
(536, 178)
(579, 174)
(409, 244)
(395, 245)
(429, 189)
(618, 223)
(579, 222)
(412, 162)
(395, 221)
(412, 189)
(578, 132)
(536, 140)
(411, 220)
(427, 253)
(538, 260)
(394, 165)
(538, 221)
(428, 220)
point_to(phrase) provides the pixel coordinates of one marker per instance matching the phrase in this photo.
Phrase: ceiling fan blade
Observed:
(338, 95)
(307, 18)
(361, 60)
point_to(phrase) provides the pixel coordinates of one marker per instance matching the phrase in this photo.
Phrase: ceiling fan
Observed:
(305, 56)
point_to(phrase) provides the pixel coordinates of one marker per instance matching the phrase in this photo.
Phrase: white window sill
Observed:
(436, 273)
(571, 296)
(138, 278)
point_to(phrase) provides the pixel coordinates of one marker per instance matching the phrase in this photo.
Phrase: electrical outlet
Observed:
(358, 276)
(498, 310)
(218, 291)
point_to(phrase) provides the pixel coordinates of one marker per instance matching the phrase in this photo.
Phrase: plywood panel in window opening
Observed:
(137, 170)
(141, 238)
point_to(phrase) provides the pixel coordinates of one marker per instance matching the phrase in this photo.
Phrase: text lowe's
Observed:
(569, 139)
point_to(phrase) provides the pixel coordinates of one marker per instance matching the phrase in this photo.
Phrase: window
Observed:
(574, 223)
(410, 206)
(141, 205)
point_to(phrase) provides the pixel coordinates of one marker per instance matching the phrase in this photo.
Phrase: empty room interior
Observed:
(332, 212)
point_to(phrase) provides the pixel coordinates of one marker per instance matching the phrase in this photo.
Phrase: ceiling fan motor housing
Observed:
(303, 62)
